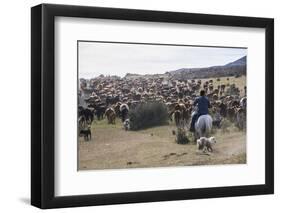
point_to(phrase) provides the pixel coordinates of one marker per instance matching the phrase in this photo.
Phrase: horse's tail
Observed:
(204, 128)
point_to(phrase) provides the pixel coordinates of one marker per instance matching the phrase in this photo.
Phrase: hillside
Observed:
(239, 62)
(235, 68)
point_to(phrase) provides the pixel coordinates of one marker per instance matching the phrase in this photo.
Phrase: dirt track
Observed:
(112, 147)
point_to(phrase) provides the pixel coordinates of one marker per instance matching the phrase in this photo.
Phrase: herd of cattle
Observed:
(113, 97)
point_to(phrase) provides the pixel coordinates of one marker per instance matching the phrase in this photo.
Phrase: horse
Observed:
(203, 126)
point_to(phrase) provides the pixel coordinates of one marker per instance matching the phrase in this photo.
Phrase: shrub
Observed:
(181, 137)
(147, 115)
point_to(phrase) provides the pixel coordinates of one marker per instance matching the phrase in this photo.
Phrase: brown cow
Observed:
(111, 115)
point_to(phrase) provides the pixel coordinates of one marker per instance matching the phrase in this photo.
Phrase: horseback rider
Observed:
(202, 104)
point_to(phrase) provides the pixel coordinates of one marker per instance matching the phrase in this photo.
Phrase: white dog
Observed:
(127, 124)
(206, 144)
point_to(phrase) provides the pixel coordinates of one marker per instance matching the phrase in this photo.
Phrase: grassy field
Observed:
(239, 82)
(112, 148)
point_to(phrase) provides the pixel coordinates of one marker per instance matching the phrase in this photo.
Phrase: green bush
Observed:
(181, 137)
(147, 115)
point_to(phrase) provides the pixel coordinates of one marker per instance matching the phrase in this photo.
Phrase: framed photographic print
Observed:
(139, 106)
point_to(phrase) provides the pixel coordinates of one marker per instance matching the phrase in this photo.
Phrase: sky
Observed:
(95, 58)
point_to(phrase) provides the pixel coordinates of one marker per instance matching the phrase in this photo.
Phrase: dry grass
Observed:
(239, 82)
(112, 147)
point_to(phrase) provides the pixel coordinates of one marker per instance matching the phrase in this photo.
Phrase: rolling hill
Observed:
(235, 68)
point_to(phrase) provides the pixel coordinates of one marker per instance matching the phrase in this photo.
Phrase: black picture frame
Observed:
(43, 105)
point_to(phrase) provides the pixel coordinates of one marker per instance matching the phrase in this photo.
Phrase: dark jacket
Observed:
(203, 104)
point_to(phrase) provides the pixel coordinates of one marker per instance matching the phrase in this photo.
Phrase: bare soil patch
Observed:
(112, 147)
